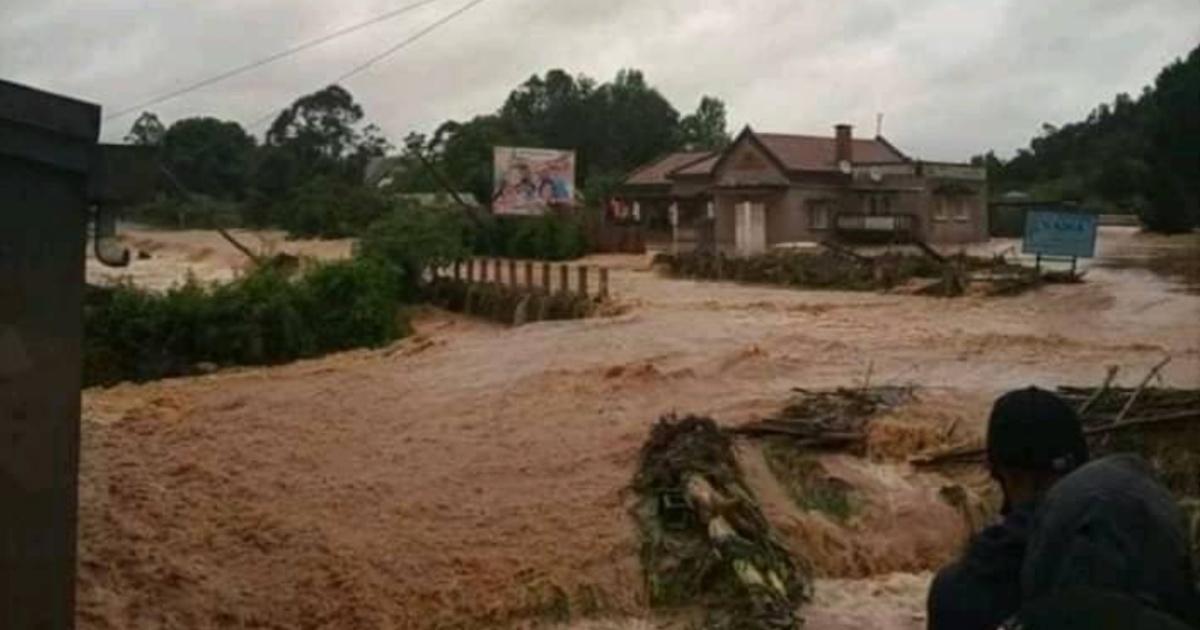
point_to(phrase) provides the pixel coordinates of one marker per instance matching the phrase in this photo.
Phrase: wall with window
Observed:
(958, 215)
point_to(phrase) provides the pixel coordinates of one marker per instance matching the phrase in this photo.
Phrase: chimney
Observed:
(844, 147)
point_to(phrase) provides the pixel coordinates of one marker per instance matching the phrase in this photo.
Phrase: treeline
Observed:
(613, 127)
(308, 174)
(1137, 155)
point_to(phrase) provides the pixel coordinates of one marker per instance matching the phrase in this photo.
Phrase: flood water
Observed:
(474, 475)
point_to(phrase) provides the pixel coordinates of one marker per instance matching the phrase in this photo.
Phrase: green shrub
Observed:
(364, 295)
(547, 237)
(411, 238)
(264, 317)
(328, 207)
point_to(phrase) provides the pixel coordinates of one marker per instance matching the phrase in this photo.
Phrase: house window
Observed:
(818, 214)
(877, 204)
(960, 209)
(941, 209)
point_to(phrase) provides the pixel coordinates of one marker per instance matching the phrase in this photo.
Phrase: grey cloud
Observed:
(954, 77)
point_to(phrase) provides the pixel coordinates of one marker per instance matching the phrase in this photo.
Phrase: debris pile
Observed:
(839, 267)
(1108, 411)
(705, 540)
(1161, 424)
(829, 419)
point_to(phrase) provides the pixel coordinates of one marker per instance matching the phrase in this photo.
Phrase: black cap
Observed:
(1033, 429)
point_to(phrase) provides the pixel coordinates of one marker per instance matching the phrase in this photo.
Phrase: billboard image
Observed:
(528, 181)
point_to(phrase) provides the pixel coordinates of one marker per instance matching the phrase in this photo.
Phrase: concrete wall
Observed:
(47, 144)
(747, 165)
(748, 174)
(954, 229)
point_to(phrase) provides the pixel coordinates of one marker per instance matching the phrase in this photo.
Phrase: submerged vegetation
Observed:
(273, 313)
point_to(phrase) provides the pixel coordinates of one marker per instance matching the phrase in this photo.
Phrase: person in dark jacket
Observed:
(1034, 438)
(1109, 547)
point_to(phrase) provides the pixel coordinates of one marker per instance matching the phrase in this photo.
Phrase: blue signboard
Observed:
(1060, 232)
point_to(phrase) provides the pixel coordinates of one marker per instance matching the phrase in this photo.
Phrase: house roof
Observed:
(656, 172)
(701, 167)
(791, 152)
(817, 153)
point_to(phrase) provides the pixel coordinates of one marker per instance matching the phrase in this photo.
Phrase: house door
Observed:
(750, 235)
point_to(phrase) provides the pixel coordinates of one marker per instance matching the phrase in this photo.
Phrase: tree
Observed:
(464, 152)
(322, 132)
(705, 129)
(209, 156)
(612, 127)
(635, 124)
(1174, 156)
(1137, 154)
(147, 130)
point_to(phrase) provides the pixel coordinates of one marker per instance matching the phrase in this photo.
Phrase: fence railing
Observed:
(527, 274)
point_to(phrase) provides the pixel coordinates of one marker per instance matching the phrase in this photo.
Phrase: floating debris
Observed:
(705, 540)
(829, 418)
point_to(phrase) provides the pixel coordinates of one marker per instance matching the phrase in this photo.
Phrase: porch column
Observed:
(673, 213)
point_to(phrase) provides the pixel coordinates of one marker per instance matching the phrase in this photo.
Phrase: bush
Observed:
(411, 238)
(264, 317)
(548, 237)
(366, 296)
(327, 207)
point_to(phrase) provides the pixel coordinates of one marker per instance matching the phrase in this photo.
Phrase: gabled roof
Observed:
(656, 172)
(796, 153)
(699, 167)
(790, 152)
(817, 153)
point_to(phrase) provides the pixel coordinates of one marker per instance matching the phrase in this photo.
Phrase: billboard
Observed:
(529, 181)
(1053, 231)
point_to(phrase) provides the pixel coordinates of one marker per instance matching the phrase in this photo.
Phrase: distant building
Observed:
(767, 189)
(381, 173)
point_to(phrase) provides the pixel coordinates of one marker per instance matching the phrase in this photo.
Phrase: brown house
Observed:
(768, 189)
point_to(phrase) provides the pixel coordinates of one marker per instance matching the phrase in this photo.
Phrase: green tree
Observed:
(209, 156)
(325, 134)
(463, 151)
(634, 124)
(1136, 154)
(706, 128)
(612, 127)
(1174, 157)
(147, 130)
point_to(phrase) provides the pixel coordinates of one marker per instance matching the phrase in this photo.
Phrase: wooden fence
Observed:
(527, 274)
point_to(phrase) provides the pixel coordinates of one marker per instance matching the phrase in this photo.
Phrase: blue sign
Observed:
(1056, 232)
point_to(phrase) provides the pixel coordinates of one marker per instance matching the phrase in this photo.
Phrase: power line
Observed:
(269, 59)
(404, 43)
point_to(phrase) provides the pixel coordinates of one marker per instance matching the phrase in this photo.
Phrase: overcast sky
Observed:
(952, 77)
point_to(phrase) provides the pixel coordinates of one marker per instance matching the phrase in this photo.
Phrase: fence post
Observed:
(512, 273)
(528, 275)
(583, 280)
(604, 282)
(563, 278)
(498, 270)
(546, 276)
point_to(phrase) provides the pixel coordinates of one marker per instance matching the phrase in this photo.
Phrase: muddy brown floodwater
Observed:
(474, 475)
